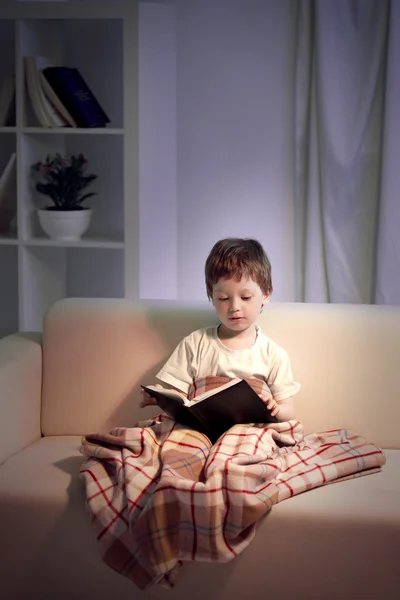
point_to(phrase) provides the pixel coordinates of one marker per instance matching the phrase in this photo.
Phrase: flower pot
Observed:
(65, 225)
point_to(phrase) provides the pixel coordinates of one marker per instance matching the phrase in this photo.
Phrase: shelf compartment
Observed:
(52, 273)
(9, 289)
(7, 62)
(105, 159)
(104, 241)
(8, 196)
(74, 131)
(8, 239)
(100, 64)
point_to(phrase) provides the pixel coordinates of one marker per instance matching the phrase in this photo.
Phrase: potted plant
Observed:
(64, 181)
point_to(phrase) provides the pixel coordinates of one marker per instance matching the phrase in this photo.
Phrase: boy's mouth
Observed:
(235, 318)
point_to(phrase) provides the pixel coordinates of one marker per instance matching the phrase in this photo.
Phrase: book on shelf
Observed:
(46, 113)
(215, 411)
(7, 101)
(55, 101)
(77, 97)
(8, 194)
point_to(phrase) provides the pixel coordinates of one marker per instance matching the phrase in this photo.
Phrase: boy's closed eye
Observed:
(243, 298)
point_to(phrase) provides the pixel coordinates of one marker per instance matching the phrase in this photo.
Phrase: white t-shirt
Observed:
(202, 354)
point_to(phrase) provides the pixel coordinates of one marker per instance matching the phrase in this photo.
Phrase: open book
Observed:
(215, 411)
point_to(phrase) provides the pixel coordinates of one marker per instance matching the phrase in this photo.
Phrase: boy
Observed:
(238, 282)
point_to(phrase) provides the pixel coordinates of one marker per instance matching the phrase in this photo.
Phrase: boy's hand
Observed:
(272, 405)
(148, 400)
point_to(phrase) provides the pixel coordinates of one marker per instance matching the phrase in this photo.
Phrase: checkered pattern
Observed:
(160, 495)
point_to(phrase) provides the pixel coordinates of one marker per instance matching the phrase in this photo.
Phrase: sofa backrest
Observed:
(97, 352)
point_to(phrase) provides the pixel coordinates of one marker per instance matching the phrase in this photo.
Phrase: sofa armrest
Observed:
(20, 392)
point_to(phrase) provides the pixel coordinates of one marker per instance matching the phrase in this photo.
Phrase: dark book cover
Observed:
(219, 412)
(76, 96)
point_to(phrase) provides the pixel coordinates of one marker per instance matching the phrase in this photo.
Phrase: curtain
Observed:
(342, 245)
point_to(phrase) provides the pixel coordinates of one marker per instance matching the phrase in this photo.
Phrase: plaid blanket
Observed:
(160, 495)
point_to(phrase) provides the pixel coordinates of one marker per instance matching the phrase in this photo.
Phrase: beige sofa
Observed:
(340, 541)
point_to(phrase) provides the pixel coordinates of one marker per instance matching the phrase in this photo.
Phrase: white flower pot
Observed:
(65, 225)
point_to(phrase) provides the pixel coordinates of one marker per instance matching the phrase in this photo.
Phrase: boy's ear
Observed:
(266, 298)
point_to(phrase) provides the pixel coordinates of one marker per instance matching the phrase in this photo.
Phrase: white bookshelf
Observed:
(100, 39)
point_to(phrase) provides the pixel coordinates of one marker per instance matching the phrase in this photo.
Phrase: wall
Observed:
(158, 154)
(223, 170)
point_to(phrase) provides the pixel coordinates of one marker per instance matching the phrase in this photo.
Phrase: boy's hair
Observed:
(231, 258)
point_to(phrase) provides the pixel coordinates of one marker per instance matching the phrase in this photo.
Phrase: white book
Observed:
(55, 100)
(33, 92)
(7, 98)
(45, 112)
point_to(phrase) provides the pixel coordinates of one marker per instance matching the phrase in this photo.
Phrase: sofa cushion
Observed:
(345, 357)
(110, 348)
(45, 527)
(20, 389)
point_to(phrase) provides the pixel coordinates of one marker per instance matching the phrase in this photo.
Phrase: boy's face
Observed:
(238, 303)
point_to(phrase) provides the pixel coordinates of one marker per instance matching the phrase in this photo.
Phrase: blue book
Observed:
(76, 96)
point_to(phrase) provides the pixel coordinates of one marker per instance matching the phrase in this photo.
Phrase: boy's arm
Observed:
(287, 411)
(283, 410)
(281, 383)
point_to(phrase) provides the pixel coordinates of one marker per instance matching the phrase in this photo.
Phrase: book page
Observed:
(205, 395)
(166, 392)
